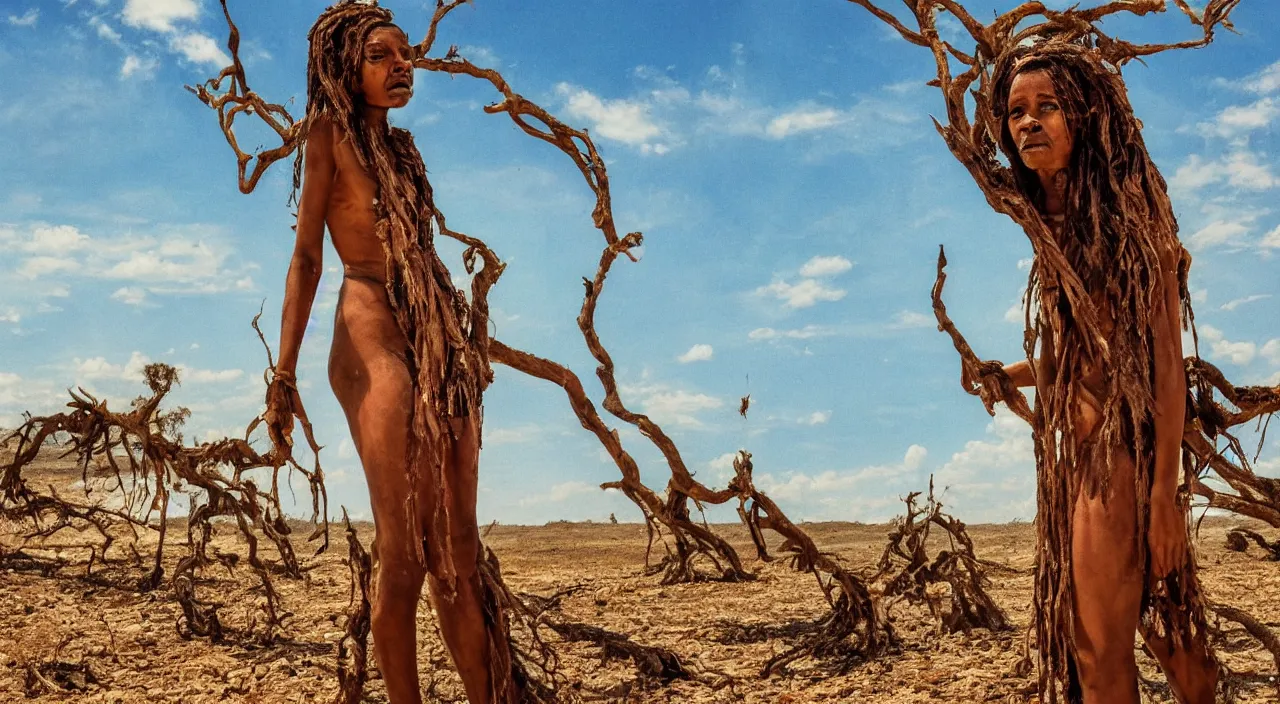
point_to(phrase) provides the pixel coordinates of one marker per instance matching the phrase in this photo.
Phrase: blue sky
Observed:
(778, 157)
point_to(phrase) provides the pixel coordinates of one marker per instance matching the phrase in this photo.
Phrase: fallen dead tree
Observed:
(907, 571)
(144, 448)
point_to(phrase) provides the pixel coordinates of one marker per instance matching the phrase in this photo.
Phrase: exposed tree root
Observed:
(857, 627)
(143, 451)
(908, 572)
(1238, 540)
(353, 649)
(654, 663)
(1255, 628)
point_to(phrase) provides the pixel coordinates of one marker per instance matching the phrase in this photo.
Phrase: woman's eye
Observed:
(1048, 106)
(1015, 113)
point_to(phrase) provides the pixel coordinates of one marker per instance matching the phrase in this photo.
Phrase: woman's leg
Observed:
(373, 386)
(462, 621)
(1108, 582)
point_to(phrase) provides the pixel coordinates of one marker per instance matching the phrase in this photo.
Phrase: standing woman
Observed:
(1113, 551)
(405, 363)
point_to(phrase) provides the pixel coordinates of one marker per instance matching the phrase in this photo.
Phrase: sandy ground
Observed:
(131, 645)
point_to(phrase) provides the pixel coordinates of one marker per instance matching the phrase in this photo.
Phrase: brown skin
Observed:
(369, 374)
(1108, 575)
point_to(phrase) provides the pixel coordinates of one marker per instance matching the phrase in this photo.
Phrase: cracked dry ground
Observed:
(132, 647)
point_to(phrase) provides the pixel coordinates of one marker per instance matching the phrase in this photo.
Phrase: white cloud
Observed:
(841, 494)
(1265, 81)
(141, 67)
(159, 15)
(10, 315)
(667, 405)
(622, 120)
(55, 240)
(1271, 240)
(1217, 233)
(100, 368)
(802, 120)
(698, 353)
(207, 376)
(816, 418)
(1271, 351)
(526, 433)
(821, 266)
(563, 492)
(28, 19)
(1238, 120)
(804, 333)
(1222, 348)
(105, 31)
(130, 295)
(992, 479)
(184, 259)
(722, 467)
(908, 319)
(1240, 169)
(35, 267)
(1233, 304)
(804, 294)
(679, 406)
(480, 56)
(200, 49)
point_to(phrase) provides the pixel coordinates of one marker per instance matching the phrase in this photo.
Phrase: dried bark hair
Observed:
(1117, 231)
(447, 365)
(336, 43)
(1118, 223)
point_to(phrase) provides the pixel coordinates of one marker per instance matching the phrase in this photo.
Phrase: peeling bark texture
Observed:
(144, 448)
(353, 649)
(908, 572)
(1118, 233)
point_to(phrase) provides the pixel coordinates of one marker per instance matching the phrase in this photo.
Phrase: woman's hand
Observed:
(283, 403)
(1166, 535)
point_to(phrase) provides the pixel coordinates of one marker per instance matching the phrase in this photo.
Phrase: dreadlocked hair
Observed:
(447, 365)
(1117, 231)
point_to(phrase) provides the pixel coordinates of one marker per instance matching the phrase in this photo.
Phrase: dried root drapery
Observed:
(143, 452)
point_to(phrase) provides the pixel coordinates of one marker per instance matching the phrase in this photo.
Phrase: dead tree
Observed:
(353, 649)
(857, 627)
(1238, 541)
(908, 572)
(145, 445)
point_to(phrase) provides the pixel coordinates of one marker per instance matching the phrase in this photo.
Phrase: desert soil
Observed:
(131, 645)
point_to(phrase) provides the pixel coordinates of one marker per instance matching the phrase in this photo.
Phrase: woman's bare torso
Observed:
(350, 217)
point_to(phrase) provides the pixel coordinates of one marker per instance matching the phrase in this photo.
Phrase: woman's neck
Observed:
(1054, 187)
(375, 116)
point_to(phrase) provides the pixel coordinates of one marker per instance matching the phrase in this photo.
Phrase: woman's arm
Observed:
(308, 250)
(1168, 530)
(1020, 373)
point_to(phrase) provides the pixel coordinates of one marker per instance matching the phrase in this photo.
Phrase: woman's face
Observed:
(386, 69)
(1037, 123)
